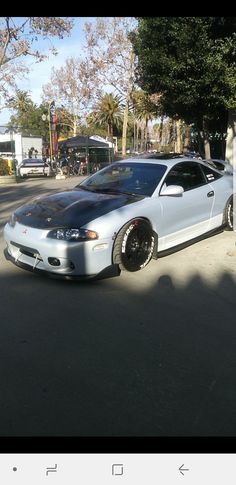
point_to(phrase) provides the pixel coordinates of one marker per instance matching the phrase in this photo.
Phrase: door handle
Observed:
(211, 193)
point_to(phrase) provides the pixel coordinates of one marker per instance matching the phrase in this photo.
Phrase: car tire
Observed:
(228, 215)
(134, 245)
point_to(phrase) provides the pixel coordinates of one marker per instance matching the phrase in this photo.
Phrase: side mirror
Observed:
(174, 190)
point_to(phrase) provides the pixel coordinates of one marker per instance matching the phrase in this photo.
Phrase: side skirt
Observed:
(174, 249)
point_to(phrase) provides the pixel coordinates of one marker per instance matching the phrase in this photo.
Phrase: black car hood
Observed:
(73, 208)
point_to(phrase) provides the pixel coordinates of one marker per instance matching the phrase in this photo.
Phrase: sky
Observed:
(40, 73)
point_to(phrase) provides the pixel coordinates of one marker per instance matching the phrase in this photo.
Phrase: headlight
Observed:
(73, 234)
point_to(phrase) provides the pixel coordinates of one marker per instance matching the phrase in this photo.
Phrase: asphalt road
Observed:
(151, 353)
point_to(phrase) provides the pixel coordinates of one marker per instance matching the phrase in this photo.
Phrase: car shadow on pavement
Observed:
(113, 358)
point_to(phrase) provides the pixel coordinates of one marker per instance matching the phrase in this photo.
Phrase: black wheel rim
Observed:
(138, 247)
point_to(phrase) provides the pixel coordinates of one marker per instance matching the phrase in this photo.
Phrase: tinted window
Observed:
(210, 174)
(7, 146)
(188, 175)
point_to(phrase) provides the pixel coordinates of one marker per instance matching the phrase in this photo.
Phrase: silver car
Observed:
(120, 218)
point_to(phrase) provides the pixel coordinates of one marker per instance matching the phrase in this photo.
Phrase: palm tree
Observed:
(145, 110)
(108, 112)
(21, 102)
(25, 110)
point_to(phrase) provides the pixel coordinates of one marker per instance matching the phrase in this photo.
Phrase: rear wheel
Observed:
(134, 245)
(228, 215)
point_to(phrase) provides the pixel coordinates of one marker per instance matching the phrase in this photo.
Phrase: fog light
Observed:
(54, 261)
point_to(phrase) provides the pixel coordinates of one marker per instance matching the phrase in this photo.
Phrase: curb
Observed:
(8, 179)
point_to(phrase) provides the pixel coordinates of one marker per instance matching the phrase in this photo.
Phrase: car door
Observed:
(185, 216)
(222, 184)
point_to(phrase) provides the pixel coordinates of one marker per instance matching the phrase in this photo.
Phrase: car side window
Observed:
(189, 175)
(210, 174)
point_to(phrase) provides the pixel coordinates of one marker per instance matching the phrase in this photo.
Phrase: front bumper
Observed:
(29, 248)
(109, 272)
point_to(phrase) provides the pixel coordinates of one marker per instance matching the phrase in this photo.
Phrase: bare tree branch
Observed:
(18, 40)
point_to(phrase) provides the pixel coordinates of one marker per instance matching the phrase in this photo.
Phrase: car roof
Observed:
(158, 155)
(170, 162)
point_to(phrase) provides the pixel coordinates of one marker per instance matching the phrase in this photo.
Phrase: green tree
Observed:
(27, 118)
(108, 113)
(21, 102)
(192, 62)
(30, 119)
(144, 110)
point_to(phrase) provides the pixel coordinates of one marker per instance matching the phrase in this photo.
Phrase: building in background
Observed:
(16, 146)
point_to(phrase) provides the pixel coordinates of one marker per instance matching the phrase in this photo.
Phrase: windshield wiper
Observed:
(106, 190)
(84, 187)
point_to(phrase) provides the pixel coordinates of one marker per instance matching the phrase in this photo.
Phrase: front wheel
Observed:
(228, 215)
(134, 245)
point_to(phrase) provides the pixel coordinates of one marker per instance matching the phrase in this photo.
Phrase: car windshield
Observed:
(130, 178)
